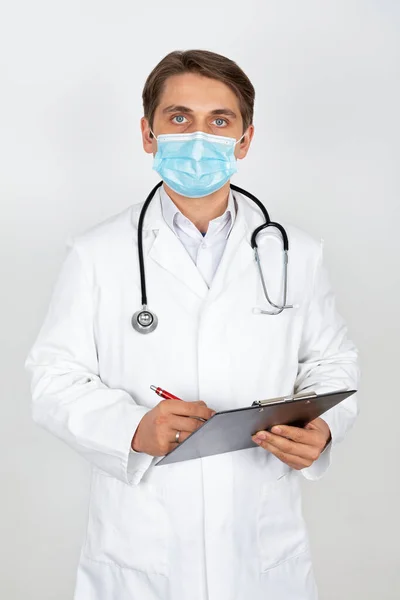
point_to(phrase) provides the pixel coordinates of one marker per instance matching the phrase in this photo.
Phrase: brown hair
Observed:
(203, 62)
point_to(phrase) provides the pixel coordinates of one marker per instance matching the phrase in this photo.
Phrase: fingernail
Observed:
(276, 430)
(262, 435)
(213, 412)
(257, 440)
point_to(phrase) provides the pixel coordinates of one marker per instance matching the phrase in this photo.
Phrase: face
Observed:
(191, 102)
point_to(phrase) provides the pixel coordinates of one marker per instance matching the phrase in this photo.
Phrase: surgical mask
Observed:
(195, 164)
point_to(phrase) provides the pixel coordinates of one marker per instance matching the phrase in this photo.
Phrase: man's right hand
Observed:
(155, 433)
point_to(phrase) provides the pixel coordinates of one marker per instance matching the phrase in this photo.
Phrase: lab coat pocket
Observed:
(127, 525)
(282, 533)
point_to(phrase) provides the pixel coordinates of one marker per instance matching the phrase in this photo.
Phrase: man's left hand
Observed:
(296, 446)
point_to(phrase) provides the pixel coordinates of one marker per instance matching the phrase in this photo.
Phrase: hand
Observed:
(156, 431)
(297, 447)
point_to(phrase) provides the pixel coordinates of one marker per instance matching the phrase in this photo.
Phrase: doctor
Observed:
(226, 527)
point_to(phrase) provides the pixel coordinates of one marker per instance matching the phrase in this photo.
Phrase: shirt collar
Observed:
(173, 216)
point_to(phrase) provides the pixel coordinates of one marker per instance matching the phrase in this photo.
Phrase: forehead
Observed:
(200, 94)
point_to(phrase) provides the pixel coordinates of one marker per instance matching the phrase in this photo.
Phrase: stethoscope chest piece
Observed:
(144, 321)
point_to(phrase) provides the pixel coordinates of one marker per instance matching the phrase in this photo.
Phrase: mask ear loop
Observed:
(153, 134)
(239, 140)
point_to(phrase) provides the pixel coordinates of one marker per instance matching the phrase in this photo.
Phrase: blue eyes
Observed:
(180, 119)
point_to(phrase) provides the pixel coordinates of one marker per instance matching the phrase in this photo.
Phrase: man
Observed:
(229, 526)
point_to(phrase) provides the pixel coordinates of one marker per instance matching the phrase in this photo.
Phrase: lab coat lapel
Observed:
(238, 255)
(168, 251)
(164, 248)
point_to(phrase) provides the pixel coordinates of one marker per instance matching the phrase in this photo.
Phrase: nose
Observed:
(199, 124)
(198, 149)
(195, 129)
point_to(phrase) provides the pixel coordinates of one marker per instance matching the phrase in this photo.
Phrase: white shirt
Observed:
(206, 252)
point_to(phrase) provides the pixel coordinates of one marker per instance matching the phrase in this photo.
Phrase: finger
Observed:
(316, 424)
(203, 404)
(178, 423)
(187, 409)
(297, 434)
(199, 409)
(283, 445)
(296, 462)
(182, 437)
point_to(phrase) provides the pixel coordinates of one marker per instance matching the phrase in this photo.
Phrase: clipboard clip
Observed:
(282, 399)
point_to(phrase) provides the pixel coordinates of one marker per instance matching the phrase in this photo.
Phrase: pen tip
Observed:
(153, 387)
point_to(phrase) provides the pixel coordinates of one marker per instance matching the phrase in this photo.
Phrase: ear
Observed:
(243, 147)
(149, 143)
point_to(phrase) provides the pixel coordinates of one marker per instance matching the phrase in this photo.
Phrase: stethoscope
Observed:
(145, 321)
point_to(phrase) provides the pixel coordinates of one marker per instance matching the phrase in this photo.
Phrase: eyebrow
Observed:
(185, 109)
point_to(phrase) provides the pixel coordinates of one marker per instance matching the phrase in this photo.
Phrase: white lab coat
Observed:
(226, 527)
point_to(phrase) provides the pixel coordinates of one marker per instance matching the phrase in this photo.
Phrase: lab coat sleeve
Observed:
(69, 398)
(328, 361)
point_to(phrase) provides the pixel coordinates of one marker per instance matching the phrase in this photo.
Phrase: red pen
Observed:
(164, 394)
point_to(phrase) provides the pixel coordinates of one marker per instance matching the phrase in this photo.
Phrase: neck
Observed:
(200, 211)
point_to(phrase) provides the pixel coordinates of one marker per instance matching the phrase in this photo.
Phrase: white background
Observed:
(325, 156)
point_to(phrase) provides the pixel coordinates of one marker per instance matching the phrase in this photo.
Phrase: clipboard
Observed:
(231, 430)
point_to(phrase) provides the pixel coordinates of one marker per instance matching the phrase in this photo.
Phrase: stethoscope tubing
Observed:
(140, 241)
(253, 241)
